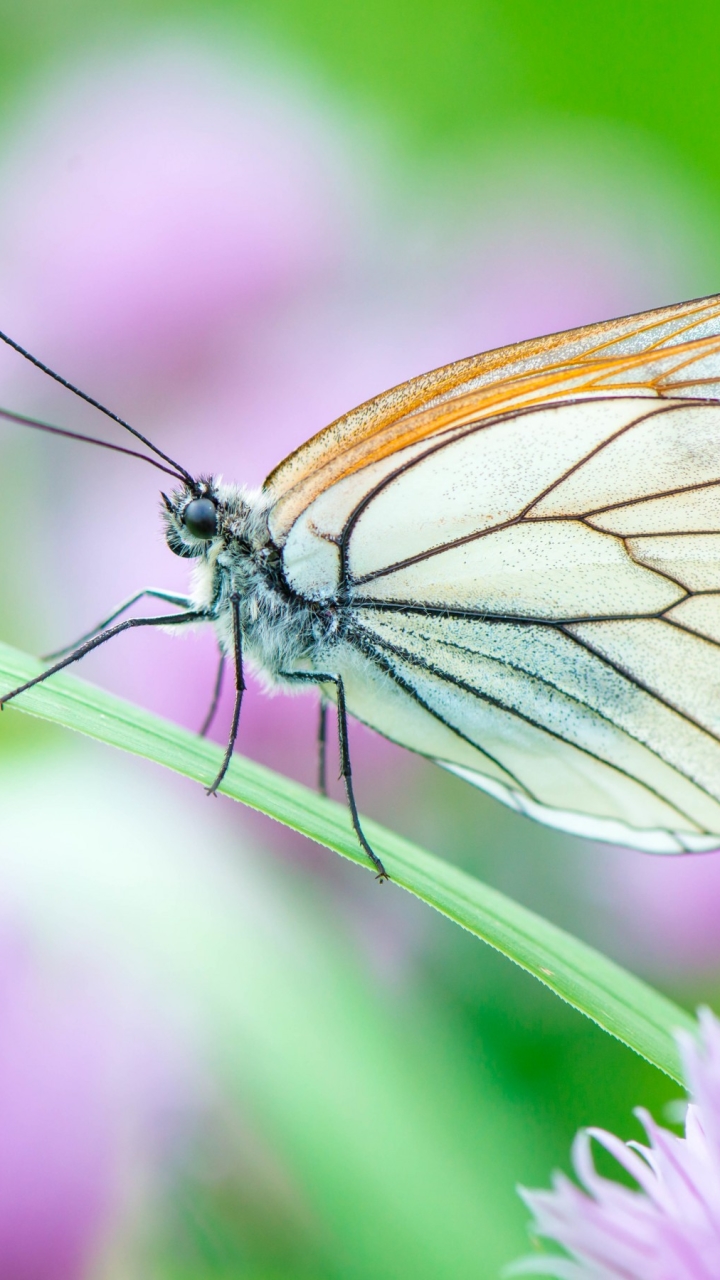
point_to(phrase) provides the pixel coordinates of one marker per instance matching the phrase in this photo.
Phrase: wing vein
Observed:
(645, 688)
(346, 578)
(371, 651)
(492, 700)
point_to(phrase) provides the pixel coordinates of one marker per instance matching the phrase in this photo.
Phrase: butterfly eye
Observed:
(200, 518)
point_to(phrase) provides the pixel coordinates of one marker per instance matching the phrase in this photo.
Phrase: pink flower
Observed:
(659, 914)
(159, 199)
(667, 1229)
(91, 1092)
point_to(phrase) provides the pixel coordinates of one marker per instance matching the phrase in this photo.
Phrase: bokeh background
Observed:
(224, 1054)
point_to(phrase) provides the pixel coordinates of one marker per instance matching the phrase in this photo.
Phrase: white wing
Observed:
(536, 599)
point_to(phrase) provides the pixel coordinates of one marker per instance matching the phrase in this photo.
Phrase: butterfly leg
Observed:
(312, 677)
(215, 697)
(239, 691)
(169, 620)
(322, 746)
(169, 597)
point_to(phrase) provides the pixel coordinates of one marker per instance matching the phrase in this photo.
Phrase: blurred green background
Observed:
(227, 1055)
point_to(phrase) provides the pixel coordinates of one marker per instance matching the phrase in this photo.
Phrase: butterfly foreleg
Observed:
(168, 620)
(239, 691)
(322, 746)
(169, 597)
(312, 677)
(215, 697)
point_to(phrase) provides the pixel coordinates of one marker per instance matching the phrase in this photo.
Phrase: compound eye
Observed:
(200, 518)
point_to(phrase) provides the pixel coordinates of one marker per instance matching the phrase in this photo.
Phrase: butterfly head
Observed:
(193, 518)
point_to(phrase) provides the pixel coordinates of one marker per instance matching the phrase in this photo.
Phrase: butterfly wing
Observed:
(636, 353)
(529, 564)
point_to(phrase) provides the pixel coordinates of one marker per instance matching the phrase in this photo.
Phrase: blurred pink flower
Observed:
(157, 198)
(657, 914)
(84, 1085)
(669, 1229)
(661, 913)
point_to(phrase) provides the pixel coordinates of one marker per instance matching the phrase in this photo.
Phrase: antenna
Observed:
(75, 435)
(185, 475)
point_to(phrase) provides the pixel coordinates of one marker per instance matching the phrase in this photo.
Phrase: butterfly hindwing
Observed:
(557, 732)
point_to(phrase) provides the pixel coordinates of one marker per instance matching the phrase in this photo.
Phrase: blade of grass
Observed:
(622, 1004)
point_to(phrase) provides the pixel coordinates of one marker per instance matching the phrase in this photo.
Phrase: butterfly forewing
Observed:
(632, 352)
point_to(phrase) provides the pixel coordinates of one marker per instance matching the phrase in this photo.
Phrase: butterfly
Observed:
(510, 565)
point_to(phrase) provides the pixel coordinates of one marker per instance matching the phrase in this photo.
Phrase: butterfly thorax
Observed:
(280, 630)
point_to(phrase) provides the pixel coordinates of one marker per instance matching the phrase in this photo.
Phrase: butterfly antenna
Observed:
(180, 471)
(75, 435)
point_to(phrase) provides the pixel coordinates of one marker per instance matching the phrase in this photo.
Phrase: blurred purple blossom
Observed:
(661, 913)
(668, 1229)
(87, 1084)
(157, 199)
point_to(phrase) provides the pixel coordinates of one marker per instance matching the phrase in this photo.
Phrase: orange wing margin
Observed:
(670, 352)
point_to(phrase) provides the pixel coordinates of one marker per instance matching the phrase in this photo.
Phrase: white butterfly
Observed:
(510, 565)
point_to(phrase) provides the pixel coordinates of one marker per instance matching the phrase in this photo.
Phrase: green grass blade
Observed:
(623, 1005)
